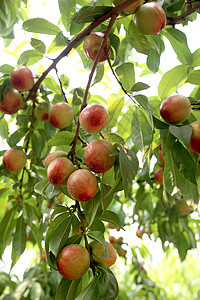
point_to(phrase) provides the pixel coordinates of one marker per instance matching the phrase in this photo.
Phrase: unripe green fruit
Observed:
(73, 261)
(98, 249)
(14, 160)
(150, 18)
(175, 109)
(195, 137)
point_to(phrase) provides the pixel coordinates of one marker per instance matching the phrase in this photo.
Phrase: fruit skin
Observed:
(22, 79)
(53, 155)
(97, 156)
(159, 175)
(150, 18)
(12, 102)
(131, 8)
(73, 261)
(59, 170)
(94, 118)
(175, 109)
(41, 111)
(181, 208)
(14, 160)
(92, 44)
(195, 137)
(61, 115)
(98, 249)
(139, 233)
(82, 185)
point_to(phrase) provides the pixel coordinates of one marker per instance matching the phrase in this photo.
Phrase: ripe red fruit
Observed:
(181, 208)
(56, 154)
(139, 233)
(22, 79)
(82, 185)
(73, 261)
(92, 44)
(41, 111)
(97, 156)
(14, 160)
(122, 252)
(159, 175)
(150, 18)
(12, 102)
(131, 8)
(94, 118)
(59, 170)
(98, 249)
(195, 137)
(112, 239)
(61, 115)
(175, 109)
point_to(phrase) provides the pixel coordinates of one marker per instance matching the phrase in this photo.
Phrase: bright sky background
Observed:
(50, 12)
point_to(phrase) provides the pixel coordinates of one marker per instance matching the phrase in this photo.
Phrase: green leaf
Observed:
(178, 41)
(111, 217)
(40, 25)
(139, 86)
(19, 240)
(58, 233)
(58, 43)
(41, 186)
(51, 84)
(114, 111)
(153, 60)
(6, 226)
(112, 290)
(61, 138)
(96, 288)
(38, 45)
(171, 79)
(63, 288)
(183, 133)
(194, 77)
(141, 131)
(137, 39)
(184, 162)
(182, 245)
(98, 236)
(126, 74)
(36, 291)
(114, 138)
(128, 166)
(6, 69)
(91, 209)
(143, 101)
(99, 73)
(29, 57)
(89, 14)
(3, 128)
(67, 9)
(196, 58)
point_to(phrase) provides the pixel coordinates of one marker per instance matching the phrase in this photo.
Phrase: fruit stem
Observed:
(82, 219)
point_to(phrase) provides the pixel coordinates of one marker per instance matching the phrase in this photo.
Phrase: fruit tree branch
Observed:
(114, 11)
(190, 10)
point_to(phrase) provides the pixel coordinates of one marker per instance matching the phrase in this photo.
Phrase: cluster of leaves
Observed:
(135, 128)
